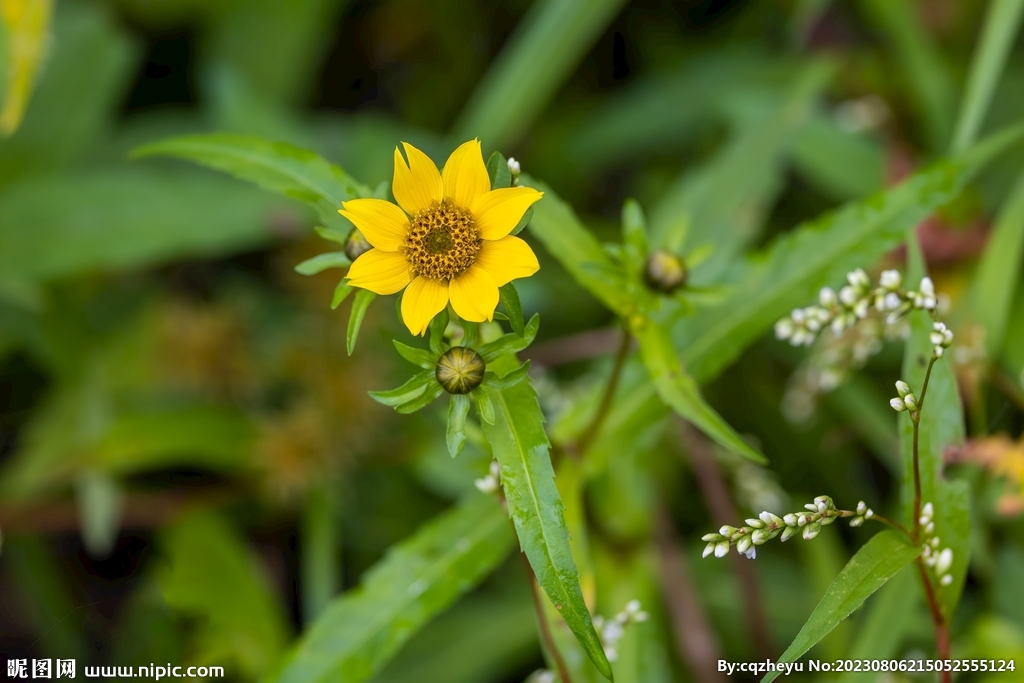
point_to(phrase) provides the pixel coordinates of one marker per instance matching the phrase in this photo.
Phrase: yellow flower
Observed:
(449, 241)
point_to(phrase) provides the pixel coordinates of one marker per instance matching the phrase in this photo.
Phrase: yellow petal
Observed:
(465, 175)
(507, 259)
(498, 211)
(383, 224)
(474, 295)
(417, 185)
(383, 272)
(423, 299)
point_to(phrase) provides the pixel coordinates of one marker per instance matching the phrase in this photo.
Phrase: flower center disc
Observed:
(442, 242)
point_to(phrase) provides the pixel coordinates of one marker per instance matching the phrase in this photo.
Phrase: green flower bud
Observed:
(460, 370)
(665, 272)
(356, 245)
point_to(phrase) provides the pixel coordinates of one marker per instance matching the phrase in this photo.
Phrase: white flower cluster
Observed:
(767, 526)
(612, 630)
(939, 560)
(489, 483)
(841, 310)
(906, 399)
(514, 169)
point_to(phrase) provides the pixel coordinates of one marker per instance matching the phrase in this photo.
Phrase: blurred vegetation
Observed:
(190, 468)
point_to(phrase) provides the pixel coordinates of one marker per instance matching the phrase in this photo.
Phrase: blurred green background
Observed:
(190, 467)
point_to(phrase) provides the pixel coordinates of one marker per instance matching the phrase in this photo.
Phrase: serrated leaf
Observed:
(510, 343)
(413, 388)
(455, 435)
(341, 293)
(421, 357)
(520, 444)
(681, 393)
(275, 166)
(418, 579)
(498, 171)
(321, 262)
(880, 559)
(509, 297)
(364, 298)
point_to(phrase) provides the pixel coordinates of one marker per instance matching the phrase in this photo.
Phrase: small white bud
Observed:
(759, 537)
(946, 579)
(513, 167)
(812, 530)
(751, 552)
(861, 507)
(611, 653)
(754, 523)
(743, 544)
(848, 295)
(938, 351)
(869, 514)
(727, 531)
(930, 528)
(709, 548)
(944, 562)
(930, 560)
(910, 401)
(827, 297)
(890, 279)
(928, 510)
(858, 278)
(860, 309)
(891, 301)
(802, 520)
(936, 338)
(790, 519)
(784, 329)
(722, 549)
(798, 315)
(927, 287)
(633, 607)
(770, 519)
(856, 521)
(641, 617)
(897, 404)
(487, 484)
(902, 388)
(788, 533)
(711, 537)
(935, 542)
(812, 507)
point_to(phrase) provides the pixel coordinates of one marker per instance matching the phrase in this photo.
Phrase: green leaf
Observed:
(546, 47)
(28, 32)
(332, 234)
(275, 166)
(100, 504)
(431, 394)
(437, 327)
(407, 392)
(792, 270)
(634, 234)
(321, 262)
(498, 171)
(681, 393)
(455, 436)
(421, 357)
(523, 222)
(556, 226)
(880, 559)
(510, 343)
(919, 60)
(364, 298)
(419, 578)
(318, 548)
(67, 224)
(211, 576)
(520, 444)
(510, 379)
(341, 293)
(1002, 22)
(998, 271)
(509, 296)
(941, 427)
(90, 60)
(884, 624)
(484, 405)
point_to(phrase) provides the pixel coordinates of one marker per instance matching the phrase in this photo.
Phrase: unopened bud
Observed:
(722, 549)
(902, 388)
(812, 530)
(460, 370)
(665, 272)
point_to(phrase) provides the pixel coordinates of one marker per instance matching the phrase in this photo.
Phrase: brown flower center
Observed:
(442, 242)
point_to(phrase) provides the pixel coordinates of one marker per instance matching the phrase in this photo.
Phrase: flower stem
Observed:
(894, 524)
(545, 627)
(915, 417)
(939, 623)
(605, 405)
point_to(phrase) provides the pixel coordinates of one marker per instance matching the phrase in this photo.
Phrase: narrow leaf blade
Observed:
(364, 298)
